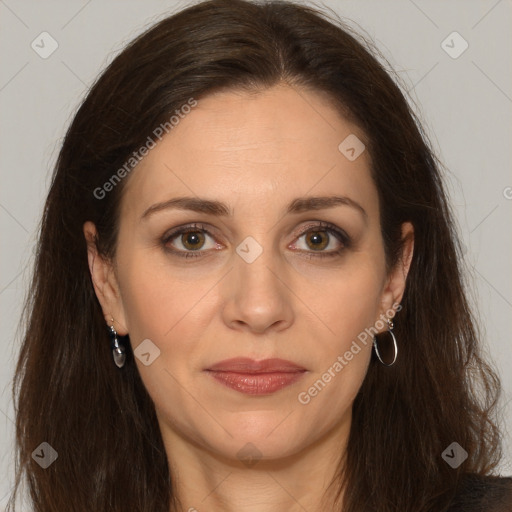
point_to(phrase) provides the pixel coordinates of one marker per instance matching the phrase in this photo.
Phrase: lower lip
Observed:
(256, 383)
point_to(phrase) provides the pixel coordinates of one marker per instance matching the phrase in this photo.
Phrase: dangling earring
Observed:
(384, 354)
(118, 350)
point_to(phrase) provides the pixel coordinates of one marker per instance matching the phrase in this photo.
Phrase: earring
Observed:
(118, 350)
(384, 353)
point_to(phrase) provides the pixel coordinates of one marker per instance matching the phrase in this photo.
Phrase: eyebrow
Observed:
(219, 209)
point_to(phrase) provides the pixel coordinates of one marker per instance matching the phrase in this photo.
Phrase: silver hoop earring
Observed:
(384, 354)
(118, 350)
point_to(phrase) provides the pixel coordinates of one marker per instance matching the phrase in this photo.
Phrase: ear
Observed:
(105, 282)
(395, 284)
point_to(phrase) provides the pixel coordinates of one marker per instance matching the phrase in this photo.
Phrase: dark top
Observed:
(483, 494)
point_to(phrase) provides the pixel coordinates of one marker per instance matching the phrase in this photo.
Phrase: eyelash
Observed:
(329, 228)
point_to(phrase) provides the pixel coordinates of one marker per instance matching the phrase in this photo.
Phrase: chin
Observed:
(262, 436)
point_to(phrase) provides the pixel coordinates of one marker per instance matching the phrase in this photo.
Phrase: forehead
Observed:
(277, 143)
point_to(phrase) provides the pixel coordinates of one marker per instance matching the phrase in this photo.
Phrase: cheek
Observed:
(172, 312)
(346, 300)
(160, 309)
(342, 301)
(348, 309)
(152, 301)
(342, 357)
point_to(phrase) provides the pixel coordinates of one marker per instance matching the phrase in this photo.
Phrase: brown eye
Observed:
(193, 240)
(317, 240)
(322, 240)
(189, 241)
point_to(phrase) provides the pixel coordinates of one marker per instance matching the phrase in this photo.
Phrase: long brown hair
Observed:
(101, 421)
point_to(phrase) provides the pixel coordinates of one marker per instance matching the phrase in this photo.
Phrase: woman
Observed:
(248, 292)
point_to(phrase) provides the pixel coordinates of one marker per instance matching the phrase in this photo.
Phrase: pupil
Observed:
(316, 240)
(192, 239)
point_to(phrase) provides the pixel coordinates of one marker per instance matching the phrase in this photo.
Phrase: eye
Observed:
(323, 236)
(191, 241)
(186, 240)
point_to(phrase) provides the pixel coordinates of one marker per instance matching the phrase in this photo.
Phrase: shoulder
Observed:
(479, 493)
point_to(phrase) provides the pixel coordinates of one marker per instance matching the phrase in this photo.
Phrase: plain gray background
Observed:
(465, 104)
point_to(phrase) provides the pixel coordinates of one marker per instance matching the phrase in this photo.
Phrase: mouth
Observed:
(256, 377)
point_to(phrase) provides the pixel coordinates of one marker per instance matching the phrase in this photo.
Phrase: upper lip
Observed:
(247, 365)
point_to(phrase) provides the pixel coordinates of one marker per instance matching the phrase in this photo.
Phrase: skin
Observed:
(256, 153)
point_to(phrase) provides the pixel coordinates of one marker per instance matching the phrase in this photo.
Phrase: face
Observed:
(269, 273)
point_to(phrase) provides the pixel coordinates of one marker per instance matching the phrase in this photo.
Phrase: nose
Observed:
(257, 297)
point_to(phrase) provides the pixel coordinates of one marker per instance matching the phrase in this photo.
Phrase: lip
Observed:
(256, 377)
(247, 365)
